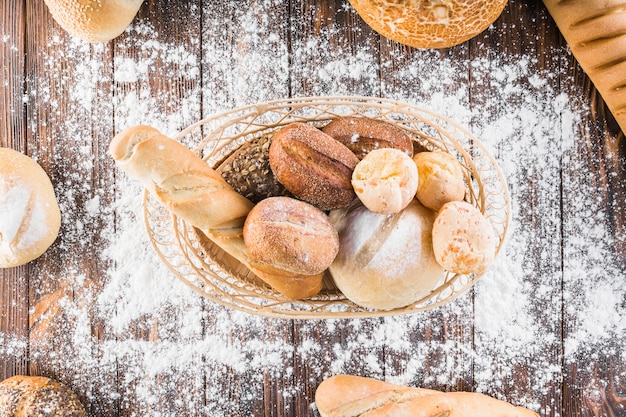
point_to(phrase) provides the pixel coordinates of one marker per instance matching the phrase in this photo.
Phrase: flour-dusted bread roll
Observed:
(35, 396)
(385, 261)
(350, 396)
(29, 213)
(385, 180)
(94, 20)
(427, 23)
(463, 239)
(441, 179)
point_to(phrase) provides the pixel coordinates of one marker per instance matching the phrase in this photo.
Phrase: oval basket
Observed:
(207, 269)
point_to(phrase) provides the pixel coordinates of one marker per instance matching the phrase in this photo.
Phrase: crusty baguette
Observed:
(595, 31)
(354, 396)
(195, 192)
(94, 20)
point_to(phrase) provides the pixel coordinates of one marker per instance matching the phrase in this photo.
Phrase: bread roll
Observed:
(441, 179)
(35, 396)
(385, 261)
(282, 233)
(313, 166)
(463, 239)
(385, 180)
(362, 135)
(349, 396)
(192, 190)
(594, 31)
(30, 217)
(427, 23)
(94, 20)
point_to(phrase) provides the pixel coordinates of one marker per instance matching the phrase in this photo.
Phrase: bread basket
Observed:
(214, 274)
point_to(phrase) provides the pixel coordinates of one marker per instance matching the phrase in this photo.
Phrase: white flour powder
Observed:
(529, 127)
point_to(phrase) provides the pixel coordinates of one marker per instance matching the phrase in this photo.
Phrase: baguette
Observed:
(192, 190)
(354, 396)
(595, 31)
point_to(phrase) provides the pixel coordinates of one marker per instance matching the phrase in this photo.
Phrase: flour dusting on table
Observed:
(529, 127)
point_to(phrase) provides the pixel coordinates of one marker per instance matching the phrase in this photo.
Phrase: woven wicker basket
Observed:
(214, 274)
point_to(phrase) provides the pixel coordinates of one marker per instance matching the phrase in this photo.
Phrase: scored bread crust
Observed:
(429, 24)
(94, 20)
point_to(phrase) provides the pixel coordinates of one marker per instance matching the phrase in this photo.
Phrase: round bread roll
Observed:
(362, 135)
(463, 239)
(313, 166)
(440, 179)
(94, 20)
(385, 261)
(385, 180)
(429, 23)
(30, 218)
(35, 396)
(289, 235)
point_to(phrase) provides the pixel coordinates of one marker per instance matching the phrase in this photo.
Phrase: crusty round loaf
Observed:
(385, 180)
(463, 239)
(362, 135)
(441, 179)
(282, 233)
(94, 20)
(29, 213)
(385, 261)
(429, 24)
(313, 166)
(35, 396)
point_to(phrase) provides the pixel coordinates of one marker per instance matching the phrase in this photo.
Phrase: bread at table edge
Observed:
(349, 396)
(34, 396)
(188, 187)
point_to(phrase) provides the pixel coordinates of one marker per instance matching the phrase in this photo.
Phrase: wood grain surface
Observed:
(38, 58)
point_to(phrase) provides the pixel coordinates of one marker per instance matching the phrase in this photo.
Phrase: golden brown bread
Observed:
(362, 135)
(30, 217)
(354, 396)
(429, 24)
(35, 396)
(441, 179)
(313, 166)
(94, 20)
(196, 193)
(595, 31)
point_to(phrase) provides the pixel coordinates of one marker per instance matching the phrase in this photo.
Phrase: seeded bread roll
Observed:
(427, 23)
(362, 135)
(313, 166)
(463, 239)
(34, 396)
(282, 233)
(385, 261)
(30, 217)
(94, 20)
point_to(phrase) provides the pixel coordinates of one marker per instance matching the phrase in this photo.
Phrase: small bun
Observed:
(362, 135)
(289, 235)
(385, 180)
(385, 261)
(463, 239)
(34, 396)
(313, 166)
(94, 21)
(30, 218)
(429, 24)
(440, 179)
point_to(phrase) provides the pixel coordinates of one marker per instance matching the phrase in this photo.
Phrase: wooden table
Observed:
(63, 100)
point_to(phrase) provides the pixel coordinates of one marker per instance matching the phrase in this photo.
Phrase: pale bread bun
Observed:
(30, 218)
(34, 396)
(463, 239)
(385, 261)
(385, 180)
(441, 179)
(94, 20)
(429, 24)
